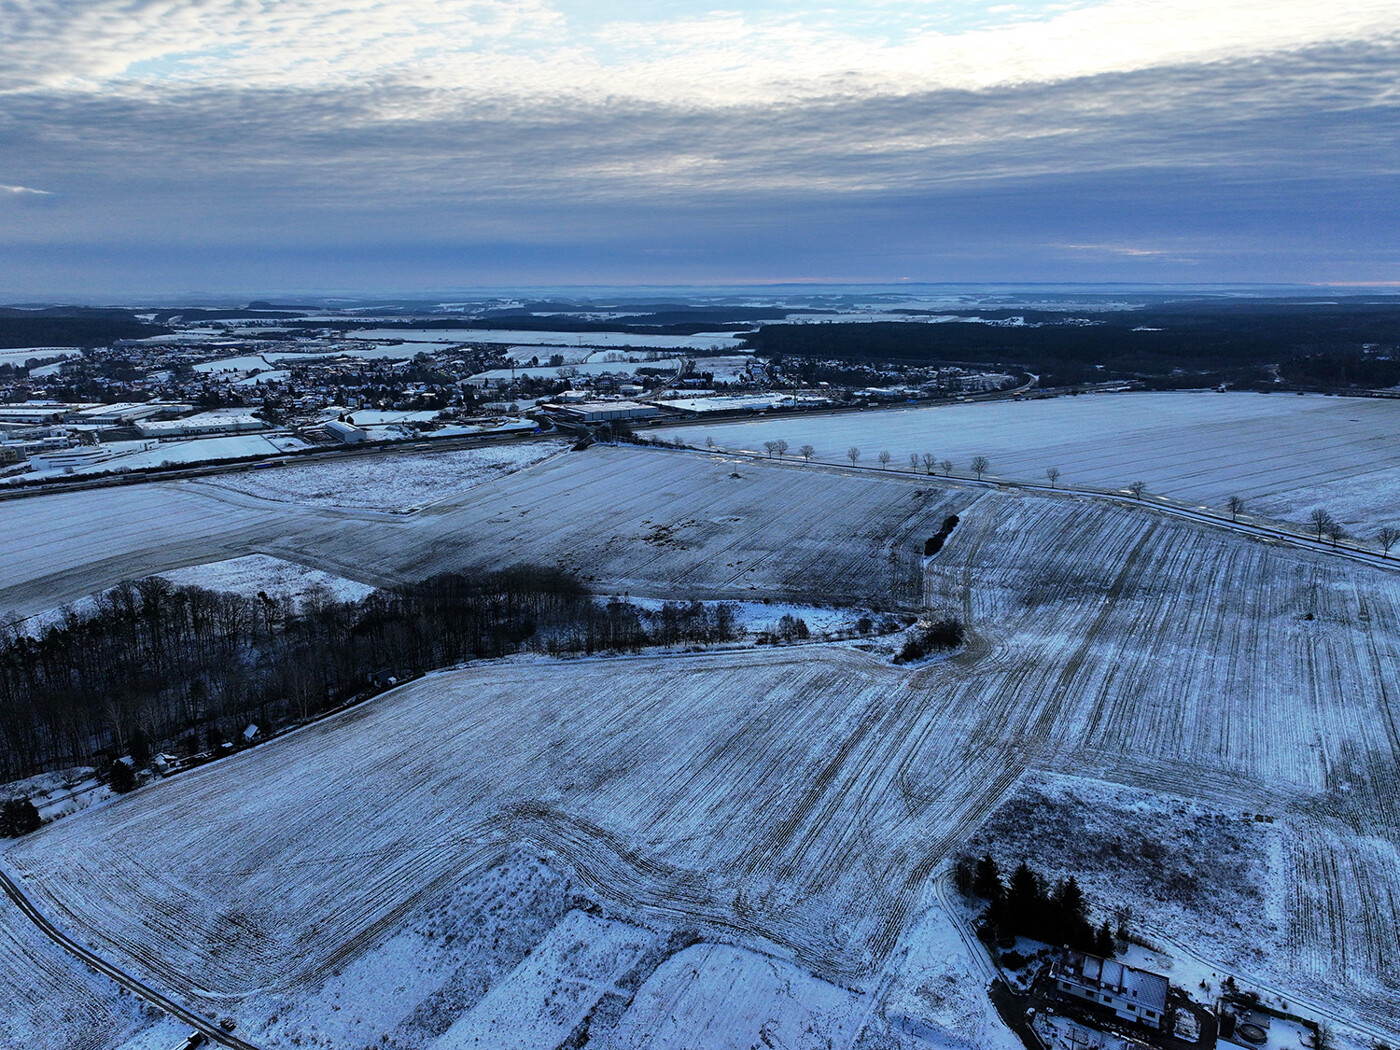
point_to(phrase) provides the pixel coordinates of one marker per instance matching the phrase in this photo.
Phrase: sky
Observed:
(165, 146)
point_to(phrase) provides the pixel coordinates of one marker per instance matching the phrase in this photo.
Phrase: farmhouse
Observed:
(1132, 994)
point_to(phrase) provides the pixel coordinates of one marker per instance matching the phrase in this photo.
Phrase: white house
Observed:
(1132, 994)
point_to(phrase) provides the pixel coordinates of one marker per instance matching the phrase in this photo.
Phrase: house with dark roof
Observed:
(1132, 994)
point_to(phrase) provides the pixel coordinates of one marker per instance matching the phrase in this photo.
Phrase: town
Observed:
(251, 389)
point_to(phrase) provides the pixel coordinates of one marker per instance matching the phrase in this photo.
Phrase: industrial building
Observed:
(600, 411)
(198, 425)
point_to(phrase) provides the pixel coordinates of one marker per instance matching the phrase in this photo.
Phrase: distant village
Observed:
(252, 391)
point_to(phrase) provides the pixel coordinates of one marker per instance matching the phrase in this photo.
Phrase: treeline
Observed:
(71, 326)
(1027, 905)
(1343, 370)
(164, 667)
(1208, 338)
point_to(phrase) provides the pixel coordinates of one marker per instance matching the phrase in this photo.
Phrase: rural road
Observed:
(196, 1021)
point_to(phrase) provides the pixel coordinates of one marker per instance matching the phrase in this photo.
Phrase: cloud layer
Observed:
(1181, 140)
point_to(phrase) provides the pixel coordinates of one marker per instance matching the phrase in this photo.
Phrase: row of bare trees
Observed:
(1322, 522)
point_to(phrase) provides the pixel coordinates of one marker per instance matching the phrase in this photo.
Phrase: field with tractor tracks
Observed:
(791, 802)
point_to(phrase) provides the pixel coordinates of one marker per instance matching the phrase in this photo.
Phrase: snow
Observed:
(44, 353)
(370, 352)
(572, 355)
(551, 992)
(264, 377)
(406, 482)
(195, 450)
(1137, 691)
(53, 1002)
(738, 402)
(457, 336)
(671, 365)
(140, 455)
(938, 993)
(754, 617)
(368, 417)
(274, 576)
(59, 793)
(246, 575)
(726, 998)
(1283, 454)
(246, 363)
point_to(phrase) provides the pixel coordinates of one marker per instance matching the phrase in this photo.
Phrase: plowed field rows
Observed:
(53, 1002)
(793, 800)
(646, 521)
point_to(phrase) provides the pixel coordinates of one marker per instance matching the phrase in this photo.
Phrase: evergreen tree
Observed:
(986, 881)
(1070, 899)
(139, 746)
(1103, 941)
(964, 875)
(18, 817)
(1025, 901)
(121, 777)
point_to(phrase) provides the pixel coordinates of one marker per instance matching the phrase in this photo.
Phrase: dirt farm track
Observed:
(796, 799)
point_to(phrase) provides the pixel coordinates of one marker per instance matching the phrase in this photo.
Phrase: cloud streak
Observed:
(531, 49)
(488, 138)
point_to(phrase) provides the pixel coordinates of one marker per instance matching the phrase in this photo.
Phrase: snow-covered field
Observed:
(702, 341)
(671, 365)
(1283, 454)
(246, 363)
(406, 481)
(646, 521)
(52, 1002)
(140, 455)
(275, 576)
(788, 806)
(43, 353)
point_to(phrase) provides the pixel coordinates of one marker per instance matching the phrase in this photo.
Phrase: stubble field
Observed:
(795, 802)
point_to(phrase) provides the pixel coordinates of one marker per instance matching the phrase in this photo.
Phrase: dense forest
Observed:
(183, 668)
(1232, 342)
(71, 326)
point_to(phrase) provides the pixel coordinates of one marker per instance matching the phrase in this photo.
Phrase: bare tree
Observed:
(1335, 531)
(980, 465)
(884, 457)
(946, 465)
(853, 454)
(770, 447)
(1234, 505)
(807, 452)
(1320, 520)
(709, 441)
(782, 447)
(1053, 474)
(1137, 488)
(1387, 537)
(914, 461)
(930, 461)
